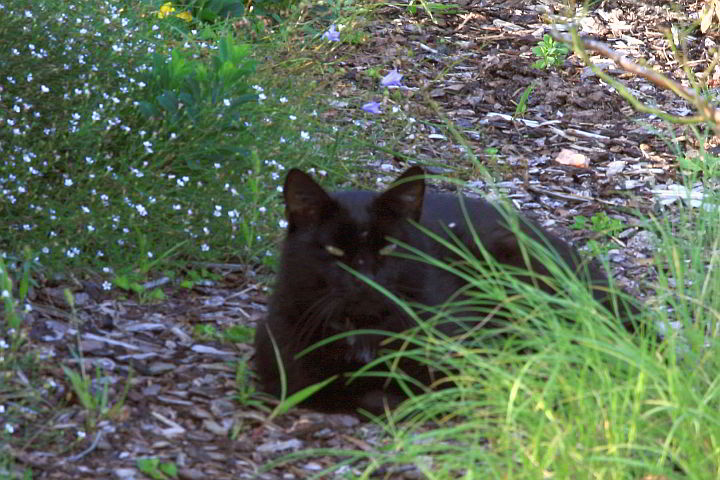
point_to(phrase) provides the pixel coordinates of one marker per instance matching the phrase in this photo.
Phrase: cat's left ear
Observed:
(405, 197)
(306, 203)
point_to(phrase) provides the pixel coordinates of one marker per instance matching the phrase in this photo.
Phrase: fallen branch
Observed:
(707, 113)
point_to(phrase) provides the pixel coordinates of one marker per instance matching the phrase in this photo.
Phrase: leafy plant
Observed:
(239, 334)
(157, 470)
(186, 86)
(195, 277)
(205, 331)
(131, 283)
(599, 223)
(550, 53)
(704, 163)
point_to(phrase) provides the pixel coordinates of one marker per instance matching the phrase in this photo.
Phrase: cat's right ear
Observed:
(305, 201)
(405, 197)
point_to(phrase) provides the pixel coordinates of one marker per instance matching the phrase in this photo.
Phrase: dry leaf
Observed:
(572, 158)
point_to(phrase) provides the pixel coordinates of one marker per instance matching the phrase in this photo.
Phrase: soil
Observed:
(183, 405)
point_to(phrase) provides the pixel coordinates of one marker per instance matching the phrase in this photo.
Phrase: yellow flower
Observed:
(187, 16)
(165, 10)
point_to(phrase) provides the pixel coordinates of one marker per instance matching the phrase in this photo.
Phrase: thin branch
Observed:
(580, 44)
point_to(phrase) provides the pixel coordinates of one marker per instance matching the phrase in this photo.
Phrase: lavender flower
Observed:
(332, 34)
(392, 79)
(372, 107)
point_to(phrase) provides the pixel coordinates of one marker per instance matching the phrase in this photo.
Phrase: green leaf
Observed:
(169, 469)
(122, 281)
(149, 466)
(169, 101)
(300, 396)
(157, 294)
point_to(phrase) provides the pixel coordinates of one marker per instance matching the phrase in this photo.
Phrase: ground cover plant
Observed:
(145, 141)
(120, 115)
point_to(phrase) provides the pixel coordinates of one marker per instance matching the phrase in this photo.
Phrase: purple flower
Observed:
(372, 107)
(392, 79)
(332, 34)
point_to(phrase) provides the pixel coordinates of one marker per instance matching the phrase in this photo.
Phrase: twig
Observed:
(92, 447)
(581, 43)
(568, 196)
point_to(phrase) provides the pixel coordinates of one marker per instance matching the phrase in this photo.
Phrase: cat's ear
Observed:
(405, 197)
(305, 200)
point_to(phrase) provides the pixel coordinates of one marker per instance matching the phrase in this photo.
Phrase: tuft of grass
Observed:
(522, 103)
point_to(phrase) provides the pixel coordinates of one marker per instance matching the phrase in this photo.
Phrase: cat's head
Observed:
(331, 230)
(307, 204)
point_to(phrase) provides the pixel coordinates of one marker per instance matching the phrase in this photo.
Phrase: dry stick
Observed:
(707, 112)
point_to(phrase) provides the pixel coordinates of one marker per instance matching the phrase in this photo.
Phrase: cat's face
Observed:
(331, 234)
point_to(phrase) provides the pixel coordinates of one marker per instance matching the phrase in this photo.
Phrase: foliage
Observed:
(550, 53)
(599, 223)
(157, 470)
(135, 144)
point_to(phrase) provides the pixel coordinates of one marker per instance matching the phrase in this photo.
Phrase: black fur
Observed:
(316, 298)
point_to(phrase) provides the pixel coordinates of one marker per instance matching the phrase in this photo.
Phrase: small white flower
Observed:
(106, 285)
(283, 99)
(68, 182)
(305, 135)
(204, 247)
(44, 89)
(9, 428)
(80, 434)
(226, 102)
(283, 223)
(292, 117)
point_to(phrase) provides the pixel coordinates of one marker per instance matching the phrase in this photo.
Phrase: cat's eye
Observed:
(387, 249)
(335, 251)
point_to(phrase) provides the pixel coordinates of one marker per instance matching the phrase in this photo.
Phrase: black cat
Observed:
(316, 298)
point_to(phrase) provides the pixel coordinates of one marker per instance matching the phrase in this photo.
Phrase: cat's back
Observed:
(443, 212)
